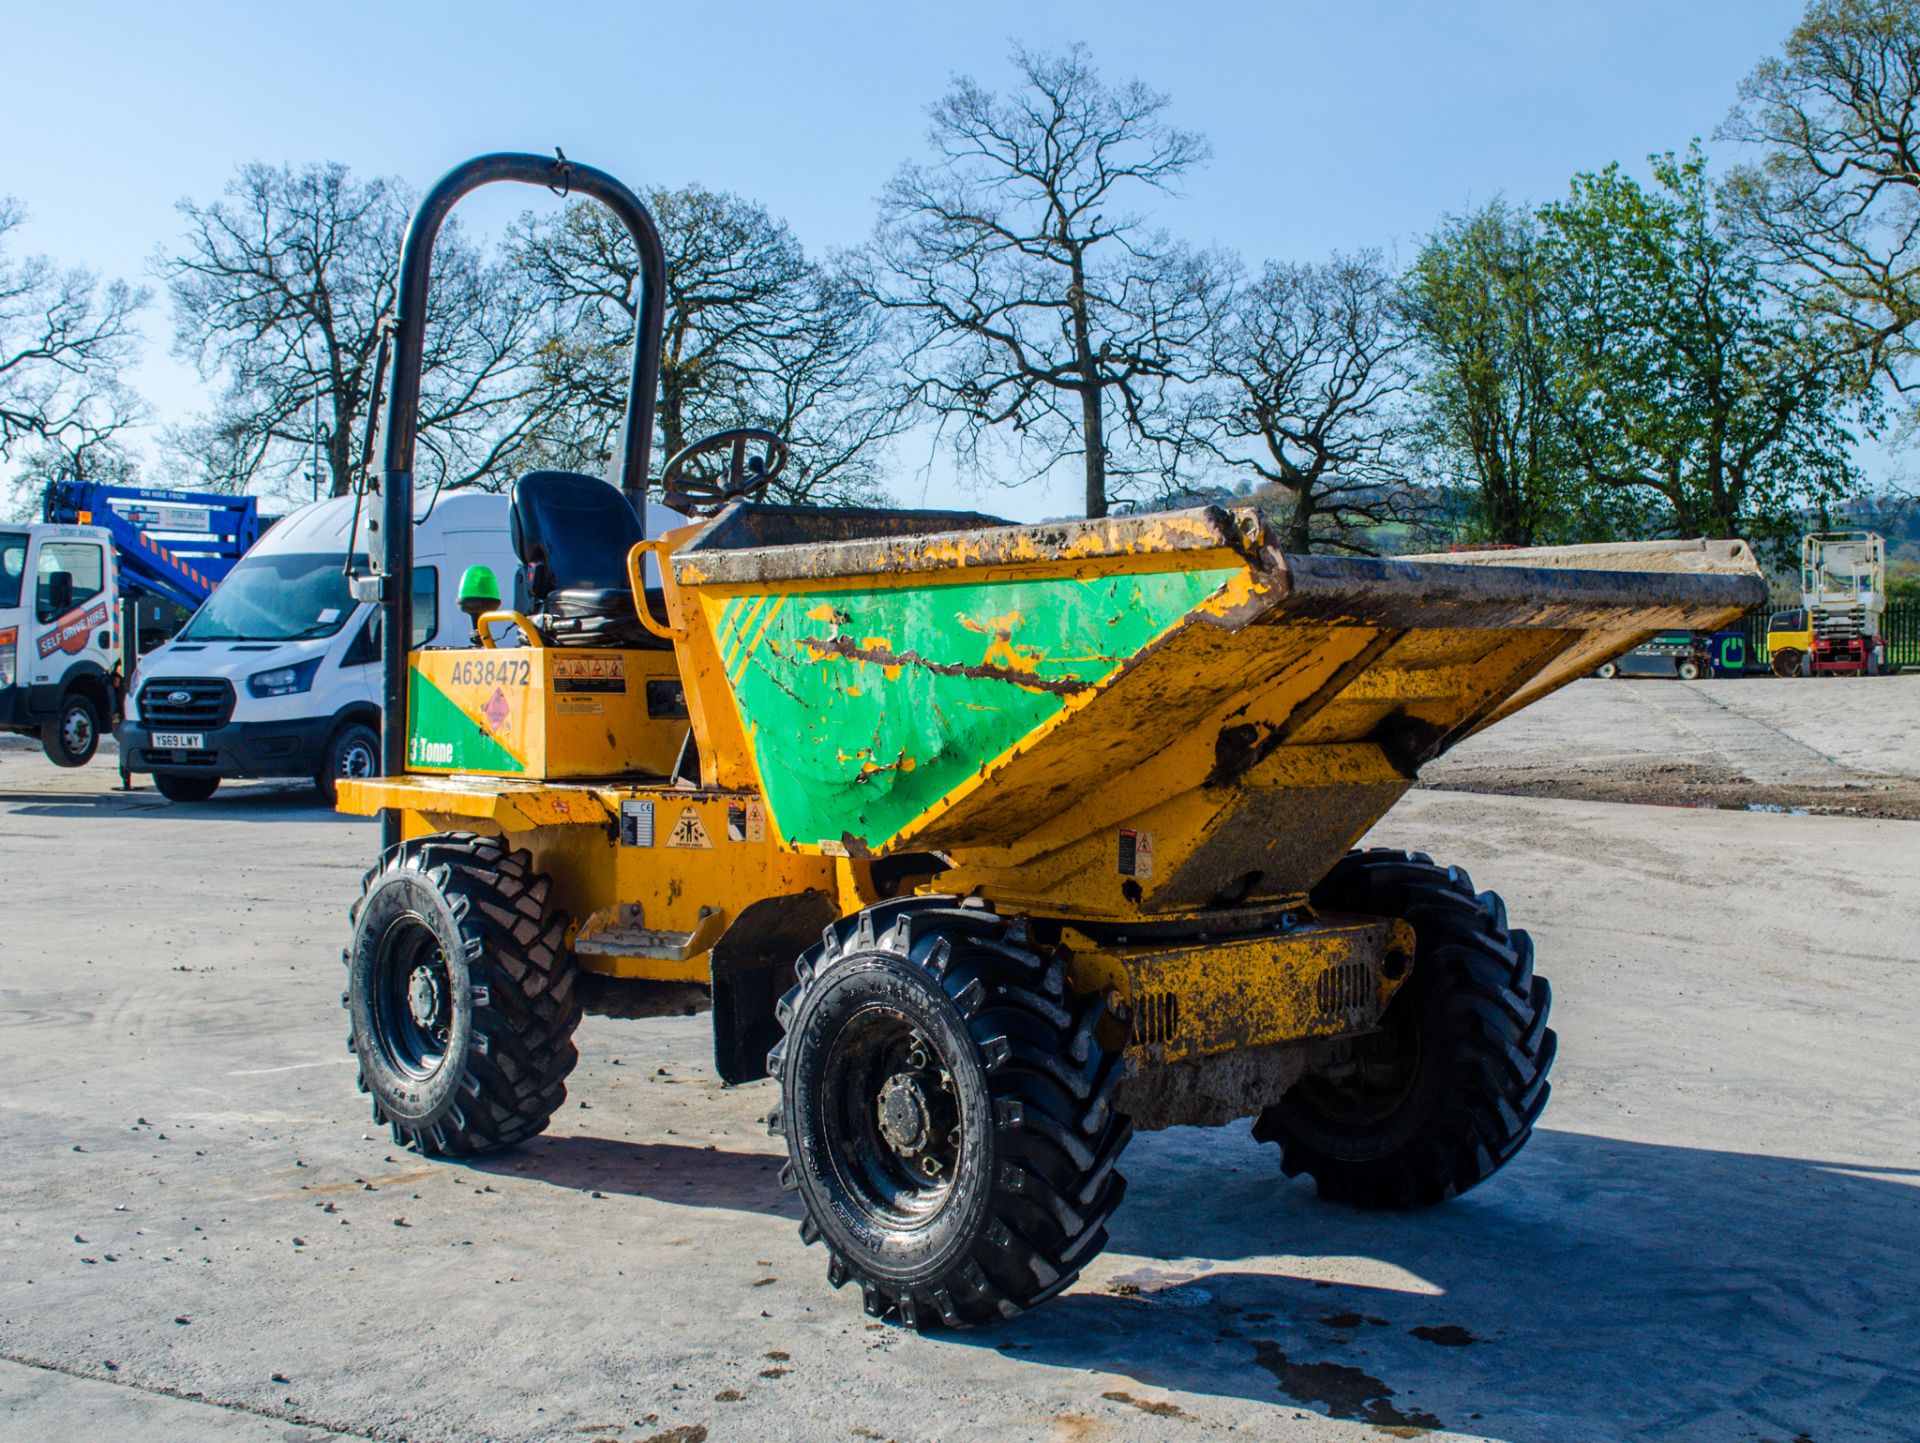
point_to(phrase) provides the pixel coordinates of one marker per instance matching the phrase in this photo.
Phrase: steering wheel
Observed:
(702, 490)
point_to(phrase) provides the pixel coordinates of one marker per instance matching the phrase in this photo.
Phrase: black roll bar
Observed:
(390, 528)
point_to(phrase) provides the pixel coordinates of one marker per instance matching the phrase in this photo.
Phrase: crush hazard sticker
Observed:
(589, 673)
(1136, 853)
(70, 632)
(689, 831)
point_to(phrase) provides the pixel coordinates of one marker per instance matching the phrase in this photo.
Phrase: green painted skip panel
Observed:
(867, 706)
(441, 737)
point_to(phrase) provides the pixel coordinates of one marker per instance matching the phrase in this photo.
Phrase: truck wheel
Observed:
(947, 1109)
(461, 995)
(1607, 670)
(1790, 662)
(352, 751)
(185, 786)
(73, 736)
(1689, 670)
(1447, 1090)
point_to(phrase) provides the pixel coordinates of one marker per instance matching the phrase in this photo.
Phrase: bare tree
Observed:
(756, 334)
(279, 289)
(1310, 368)
(1032, 299)
(65, 340)
(1835, 200)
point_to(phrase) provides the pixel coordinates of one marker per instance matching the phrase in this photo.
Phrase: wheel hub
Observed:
(423, 996)
(905, 1117)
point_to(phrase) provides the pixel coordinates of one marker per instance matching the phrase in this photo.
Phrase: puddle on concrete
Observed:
(1346, 1393)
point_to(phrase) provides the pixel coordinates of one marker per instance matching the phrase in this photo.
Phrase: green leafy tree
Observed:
(1695, 403)
(1476, 301)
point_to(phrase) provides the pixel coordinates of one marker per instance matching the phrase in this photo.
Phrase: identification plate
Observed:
(180, 741)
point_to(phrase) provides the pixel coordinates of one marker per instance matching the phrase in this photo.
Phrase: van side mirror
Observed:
(57, 594)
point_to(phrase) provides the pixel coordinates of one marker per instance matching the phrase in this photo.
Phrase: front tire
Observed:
(352, 751)
(1607, 670)
(185, 786)
(1689, 670)
(461, 995)
(1789, 662)
(1446, 1092)
(73, 736)
(948, 1114)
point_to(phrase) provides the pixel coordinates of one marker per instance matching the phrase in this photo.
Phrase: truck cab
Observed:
(59, 637)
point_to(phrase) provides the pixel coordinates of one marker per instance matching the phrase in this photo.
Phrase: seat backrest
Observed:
(571, 531)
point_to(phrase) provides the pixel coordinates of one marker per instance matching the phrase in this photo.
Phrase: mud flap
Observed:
(752, 968)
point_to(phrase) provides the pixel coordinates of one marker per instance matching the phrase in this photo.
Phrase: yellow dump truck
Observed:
(991, 843)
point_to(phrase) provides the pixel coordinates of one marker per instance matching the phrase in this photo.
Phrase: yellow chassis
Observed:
(656, 877)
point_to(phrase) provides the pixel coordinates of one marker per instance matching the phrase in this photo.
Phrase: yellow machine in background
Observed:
(991, 843)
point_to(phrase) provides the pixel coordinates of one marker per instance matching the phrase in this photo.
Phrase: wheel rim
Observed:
(76, 730)
(1387, 1069)
(412, 997)
(892, 1118)
(356, 760)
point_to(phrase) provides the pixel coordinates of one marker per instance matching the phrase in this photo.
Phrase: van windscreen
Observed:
(286, 596)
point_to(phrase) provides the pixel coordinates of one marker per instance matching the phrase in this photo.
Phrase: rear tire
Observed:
(461, 995)
(73, 736)
(1447, 1091)
(1607, 670)
(1689, 670)
(185, 786)
(947, 1109)
(352, 751)
(1790, 662)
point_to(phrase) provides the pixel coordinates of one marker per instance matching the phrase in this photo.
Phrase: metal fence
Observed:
(1899, 626)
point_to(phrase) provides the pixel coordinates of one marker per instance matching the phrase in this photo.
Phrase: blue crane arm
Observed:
(189, 562)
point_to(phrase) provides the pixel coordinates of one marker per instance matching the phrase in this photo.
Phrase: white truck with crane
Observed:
(72, 589)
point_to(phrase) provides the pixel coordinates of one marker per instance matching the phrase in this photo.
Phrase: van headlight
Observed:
(283, 680)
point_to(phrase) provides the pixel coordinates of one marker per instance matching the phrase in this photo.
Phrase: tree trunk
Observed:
(1094, 430)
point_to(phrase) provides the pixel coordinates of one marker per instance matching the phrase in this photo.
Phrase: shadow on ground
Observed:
(245, 803)
(1757, 1297)
(679, 1173)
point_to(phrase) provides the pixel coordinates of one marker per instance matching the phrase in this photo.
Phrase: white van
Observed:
(278, 673)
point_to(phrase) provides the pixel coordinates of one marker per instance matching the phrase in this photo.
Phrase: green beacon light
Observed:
(479, 594)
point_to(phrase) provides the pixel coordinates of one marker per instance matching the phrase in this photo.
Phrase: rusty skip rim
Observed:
(1424, 593)
(707, 560)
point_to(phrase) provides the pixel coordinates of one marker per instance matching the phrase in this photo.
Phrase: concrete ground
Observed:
(1711, 1238)
(1847, 746)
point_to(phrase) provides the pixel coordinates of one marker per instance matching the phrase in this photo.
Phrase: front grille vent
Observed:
(195, 702)
(1156, 1017)
(1339, 990)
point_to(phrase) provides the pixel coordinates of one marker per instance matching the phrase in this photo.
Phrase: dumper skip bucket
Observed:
(1169, 681)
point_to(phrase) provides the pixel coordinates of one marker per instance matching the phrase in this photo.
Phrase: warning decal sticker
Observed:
(689, 831)
(589, 673)
(1136, 853)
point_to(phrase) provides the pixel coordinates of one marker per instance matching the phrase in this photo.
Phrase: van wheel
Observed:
(73, 736)
(185, 786)
(352, 751)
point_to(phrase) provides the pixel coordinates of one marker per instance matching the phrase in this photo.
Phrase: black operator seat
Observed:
(571, 534)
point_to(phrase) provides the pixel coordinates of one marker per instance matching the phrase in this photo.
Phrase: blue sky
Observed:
(1334, 125)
